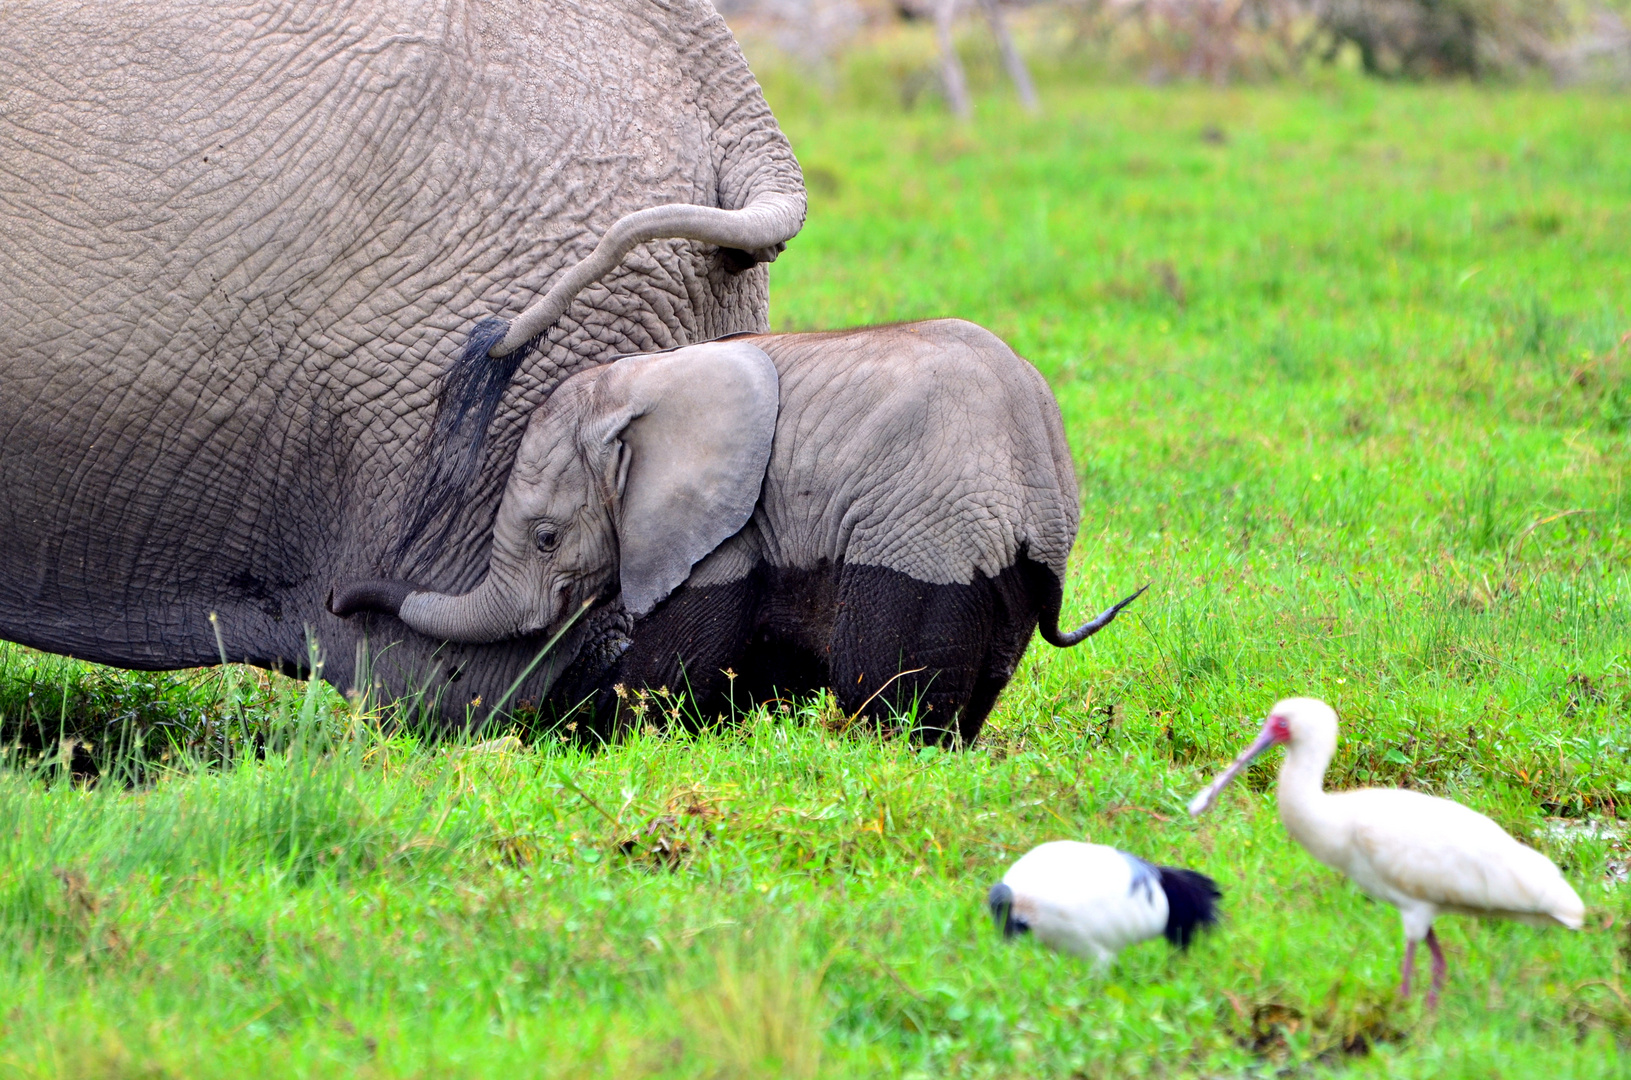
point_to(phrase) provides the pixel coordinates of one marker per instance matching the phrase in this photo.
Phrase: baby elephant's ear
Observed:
(700, 421)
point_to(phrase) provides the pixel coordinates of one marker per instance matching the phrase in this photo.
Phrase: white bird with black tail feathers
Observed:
(1424, 855)
(1094, 901)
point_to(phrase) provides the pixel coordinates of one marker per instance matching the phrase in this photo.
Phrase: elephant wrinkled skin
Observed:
(244, 246)
(885, 512)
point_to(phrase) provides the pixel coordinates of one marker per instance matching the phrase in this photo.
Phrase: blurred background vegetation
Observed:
(898, 48)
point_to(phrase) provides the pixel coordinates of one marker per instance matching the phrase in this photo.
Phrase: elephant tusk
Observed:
(764, 225)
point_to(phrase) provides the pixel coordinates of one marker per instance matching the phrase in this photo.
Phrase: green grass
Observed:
(1348, 386)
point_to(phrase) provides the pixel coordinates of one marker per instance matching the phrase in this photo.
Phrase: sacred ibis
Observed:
(1424, 855)
(1094, 901)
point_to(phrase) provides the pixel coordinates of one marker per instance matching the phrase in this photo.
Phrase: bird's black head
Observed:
(1001, 902)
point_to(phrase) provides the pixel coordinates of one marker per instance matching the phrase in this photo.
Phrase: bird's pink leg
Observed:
(1439, 967)
(1409, 962)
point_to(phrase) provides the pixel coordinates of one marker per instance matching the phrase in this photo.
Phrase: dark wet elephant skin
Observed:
(785, 634)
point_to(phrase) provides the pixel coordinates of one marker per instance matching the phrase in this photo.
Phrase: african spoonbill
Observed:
(1424, 855)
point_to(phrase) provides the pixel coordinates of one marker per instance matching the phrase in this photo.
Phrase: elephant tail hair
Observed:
(1049, 623)
(469, 398)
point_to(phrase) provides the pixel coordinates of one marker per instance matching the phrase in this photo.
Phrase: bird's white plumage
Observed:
(1422, 854)
(1087, 899)
(1415, 850)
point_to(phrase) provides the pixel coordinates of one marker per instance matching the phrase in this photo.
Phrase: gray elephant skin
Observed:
(886, 512)
(282, 284)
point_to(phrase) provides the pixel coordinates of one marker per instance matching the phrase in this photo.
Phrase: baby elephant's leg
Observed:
(1010, 621)
(908, 649)
(686, 646)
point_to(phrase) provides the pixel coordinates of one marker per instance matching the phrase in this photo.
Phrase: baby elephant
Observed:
(884, 511)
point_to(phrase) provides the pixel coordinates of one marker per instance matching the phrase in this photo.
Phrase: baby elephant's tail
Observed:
(1049, 624)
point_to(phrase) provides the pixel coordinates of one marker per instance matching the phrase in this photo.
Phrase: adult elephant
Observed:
(282, 283)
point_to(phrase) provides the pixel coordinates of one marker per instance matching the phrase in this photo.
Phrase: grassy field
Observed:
(1347, 375)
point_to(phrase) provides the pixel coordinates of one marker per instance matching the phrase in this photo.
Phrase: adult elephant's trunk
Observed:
(481, 615)
(1049, 623)
(761, 229)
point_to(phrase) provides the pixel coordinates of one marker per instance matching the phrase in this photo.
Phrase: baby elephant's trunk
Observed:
(1049, 623)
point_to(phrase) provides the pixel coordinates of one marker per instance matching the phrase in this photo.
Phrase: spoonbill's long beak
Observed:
(1266, 738)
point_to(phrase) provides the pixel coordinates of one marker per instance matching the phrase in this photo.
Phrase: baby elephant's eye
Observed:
(548, 540)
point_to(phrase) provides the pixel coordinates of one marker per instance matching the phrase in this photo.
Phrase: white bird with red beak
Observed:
(1422, 854)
